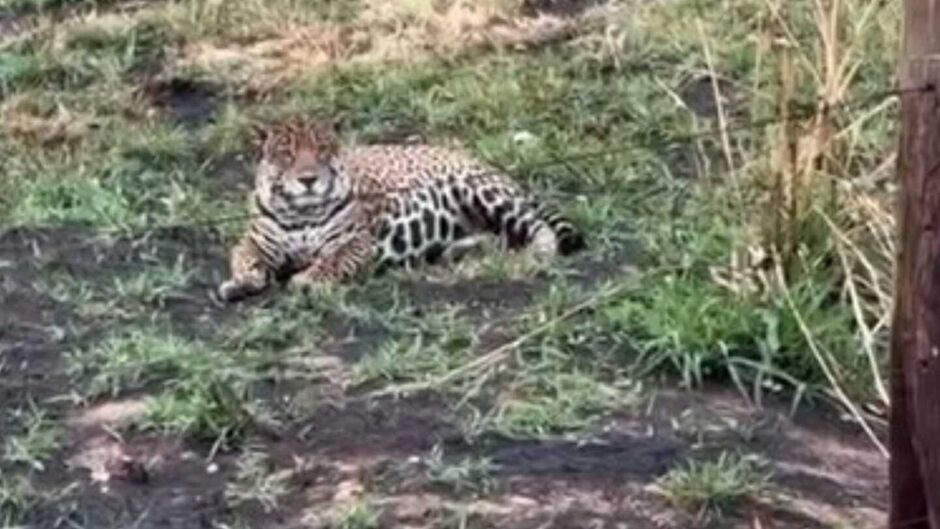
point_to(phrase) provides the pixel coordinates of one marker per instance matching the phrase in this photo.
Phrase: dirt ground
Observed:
(349, 445)
(828, 474)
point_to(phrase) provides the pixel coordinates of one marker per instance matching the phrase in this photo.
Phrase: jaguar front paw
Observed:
(302, 283)
(231, 291)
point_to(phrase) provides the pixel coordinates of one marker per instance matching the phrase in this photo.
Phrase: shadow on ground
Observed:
(345, 448)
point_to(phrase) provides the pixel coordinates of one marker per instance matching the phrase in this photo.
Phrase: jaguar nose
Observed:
(313, 174)
(307, 180)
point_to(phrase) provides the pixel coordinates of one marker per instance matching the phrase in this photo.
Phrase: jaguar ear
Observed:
(336, 124)
(321, 121)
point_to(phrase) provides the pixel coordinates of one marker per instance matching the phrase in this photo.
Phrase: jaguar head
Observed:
(296, 167)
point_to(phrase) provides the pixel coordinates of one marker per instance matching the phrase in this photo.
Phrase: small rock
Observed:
(523, 136)
(133, 470)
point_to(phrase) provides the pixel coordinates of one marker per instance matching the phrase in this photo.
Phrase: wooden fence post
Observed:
(915, 341)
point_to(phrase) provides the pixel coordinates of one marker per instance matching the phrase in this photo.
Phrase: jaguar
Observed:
(323, 212)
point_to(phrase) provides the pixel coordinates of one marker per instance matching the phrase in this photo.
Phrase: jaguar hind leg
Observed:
(519, 219)
(471, 245)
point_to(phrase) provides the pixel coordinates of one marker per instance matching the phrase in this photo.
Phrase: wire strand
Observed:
(797, 112)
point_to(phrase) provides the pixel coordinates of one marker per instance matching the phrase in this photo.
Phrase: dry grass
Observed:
(557, 357)
(383, 32)
(816, 179)
(43, 24)
(27, 122)
(820, 182)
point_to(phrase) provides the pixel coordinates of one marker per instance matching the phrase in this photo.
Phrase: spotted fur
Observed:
(322, 213)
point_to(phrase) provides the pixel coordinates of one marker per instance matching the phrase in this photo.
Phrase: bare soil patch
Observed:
(341, 452)
(187, 102)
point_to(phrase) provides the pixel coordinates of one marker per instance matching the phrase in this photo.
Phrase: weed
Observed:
(437, 344)
(361, 515)
(133, 294)
(32, 443)
(111, 46)
(83, 295)
(499, 265)
(150, 151)
(544, 402)
(18, 69)
(704, 319)
(256, 480)
(291, 322)
(462, 517)
(132, 360)
(34, 5)
(715, 487)
(154, 285)
(35, 444)
(213, 408)
(17, 498)
(73, 200)
(689, 324)
(204, 392)
(81, 146)
(228, 133)
(469, 474)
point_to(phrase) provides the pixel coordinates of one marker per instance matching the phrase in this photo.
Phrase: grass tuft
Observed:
(714, 488)
(36, 442)
(768, 253)
(361, 515)
(256, 480)
(467, 475)
(537, 404)
(204, 392)
(18, 497)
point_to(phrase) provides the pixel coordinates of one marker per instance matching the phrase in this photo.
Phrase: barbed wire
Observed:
(796, 112)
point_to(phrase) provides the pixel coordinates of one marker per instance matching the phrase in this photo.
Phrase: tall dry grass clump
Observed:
(825, 197)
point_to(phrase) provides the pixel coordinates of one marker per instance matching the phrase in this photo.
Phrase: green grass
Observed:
(360, 515)
(75, 201)
(204, 392)
(27, 451)
(130, 361)
(134, 292)
(207, 409)
(36, 442)
(132, 178)
(131, 175)
(83, 146)
(690, 324)
(430, 348)
(466, 475)
(542, 403)
(714, 488)
(154, 286)
(18, 5)
(17, 497)
(18, 70)
(255, 481)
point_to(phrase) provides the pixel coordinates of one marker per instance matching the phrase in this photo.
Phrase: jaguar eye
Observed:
(285, 157)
